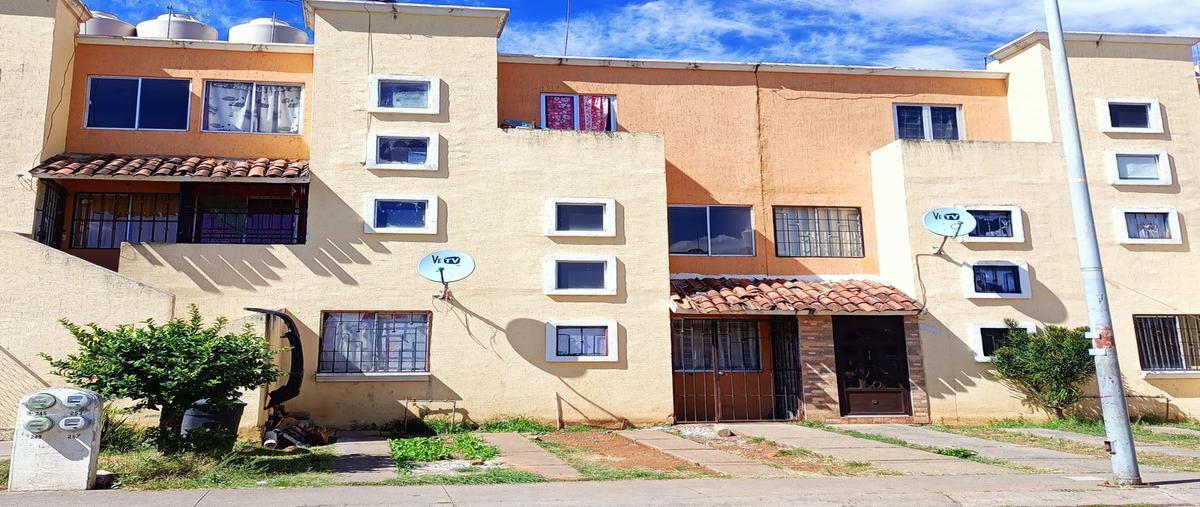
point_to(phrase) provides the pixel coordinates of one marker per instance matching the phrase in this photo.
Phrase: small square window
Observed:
(928, 122)
(580, 275)
(1148, 226)
(985, 339)
(995, 279)
(1138, 167)
(581, 341)
(995, 224)
(400, 214)
(396, 150)
(580, 217)
(1130, 115)
(405, 94)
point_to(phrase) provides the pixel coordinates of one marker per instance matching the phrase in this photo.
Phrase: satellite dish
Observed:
(446, 266)
(949, 222)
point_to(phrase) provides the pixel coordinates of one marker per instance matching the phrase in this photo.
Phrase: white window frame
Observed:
(708, 227)
(432, 156)
(610, 217)
(137, 106)
(434, 96)
(968, 280)
(611, 341)
(431, 214)
(550, 275)
(1154, 123)
(254, 115)
(975, 335)
(927, 120)
(1114, 173)
(612, 114)
(1122, 229)
(1018, 225)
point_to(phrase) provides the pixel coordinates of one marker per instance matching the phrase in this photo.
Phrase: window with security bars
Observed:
(374, 342)
(736, 345)
(105, 220)
(1168, 342)
(581, 341)
(810, 231)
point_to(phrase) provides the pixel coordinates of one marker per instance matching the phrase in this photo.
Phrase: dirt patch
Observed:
(802, 461)
(616, 452)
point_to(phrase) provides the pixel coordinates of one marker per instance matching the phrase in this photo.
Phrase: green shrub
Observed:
(473, 447)
(408, 451)
(168, 367)
(1050, 367)
(443, 426)
(520, 424)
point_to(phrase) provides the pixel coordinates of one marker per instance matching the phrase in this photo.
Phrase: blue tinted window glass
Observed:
(730, 230)
(403, 150)
(165, 104)
(579, 217)
(910, 122)
(410, 214)
(403, 94)
(688, 229)
(997, 279)
(580, 275)
(1133, 116)
(112, 103)
(944, 122)
(582, 341)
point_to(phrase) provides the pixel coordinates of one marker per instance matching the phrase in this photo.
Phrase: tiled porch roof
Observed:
(776, 295)
(167, 167)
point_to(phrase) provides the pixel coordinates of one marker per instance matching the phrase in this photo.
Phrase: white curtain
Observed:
(278, 109)
(227, 106)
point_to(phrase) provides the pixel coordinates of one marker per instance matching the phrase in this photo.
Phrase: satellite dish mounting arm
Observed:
(446, 295)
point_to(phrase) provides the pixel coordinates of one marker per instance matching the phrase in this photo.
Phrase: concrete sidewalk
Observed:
(1099, 442)
(979, 490)
(1035, 457)
(517, 451)
(844, 447)
(363, 457)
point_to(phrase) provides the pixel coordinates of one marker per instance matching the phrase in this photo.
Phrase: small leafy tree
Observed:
(1050, 367)
(168, 367)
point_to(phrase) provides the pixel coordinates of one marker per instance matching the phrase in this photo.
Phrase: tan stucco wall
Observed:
(36, 80)
(763, 138)
(44, 285)
(488, 349)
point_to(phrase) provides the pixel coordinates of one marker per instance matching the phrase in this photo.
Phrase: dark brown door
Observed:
(721, 370)
(872, 363)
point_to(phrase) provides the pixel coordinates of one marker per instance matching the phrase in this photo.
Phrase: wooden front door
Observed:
(872, 366)
(722, 370)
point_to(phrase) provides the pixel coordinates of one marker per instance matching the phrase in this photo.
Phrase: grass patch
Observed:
(1141, 429)
(591, 468)
(515, 425)
(997, 433)
(956, 452)
(444, 426)
(245, 467)
(469, 475)
(407, 452)
(4, 474)
(580, 428)
(472, 447)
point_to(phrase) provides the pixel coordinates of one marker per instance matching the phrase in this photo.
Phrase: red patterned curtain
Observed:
(560, 112)
(595, 112)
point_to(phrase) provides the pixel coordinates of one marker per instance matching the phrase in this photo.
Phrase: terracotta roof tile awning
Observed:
(777, 295)
(171, 168)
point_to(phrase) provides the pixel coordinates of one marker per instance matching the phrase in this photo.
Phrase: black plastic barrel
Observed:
(200, 416)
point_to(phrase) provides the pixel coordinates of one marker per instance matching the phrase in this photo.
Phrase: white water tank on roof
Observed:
(267, 30)
(176, 26)
(103, 23)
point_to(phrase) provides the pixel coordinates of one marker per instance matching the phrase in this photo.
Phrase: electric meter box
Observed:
(57, 441)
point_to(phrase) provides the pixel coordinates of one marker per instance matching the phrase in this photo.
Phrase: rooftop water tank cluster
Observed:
(182, 26)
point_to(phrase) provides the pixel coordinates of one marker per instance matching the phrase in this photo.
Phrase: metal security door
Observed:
(872, 363)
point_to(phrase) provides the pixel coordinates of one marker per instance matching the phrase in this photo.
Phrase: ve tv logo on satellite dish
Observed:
(949, 222)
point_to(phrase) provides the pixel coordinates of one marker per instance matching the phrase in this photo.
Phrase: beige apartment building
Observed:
(672, 241)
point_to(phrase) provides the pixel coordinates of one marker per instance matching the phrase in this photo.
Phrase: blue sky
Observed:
(906, 33)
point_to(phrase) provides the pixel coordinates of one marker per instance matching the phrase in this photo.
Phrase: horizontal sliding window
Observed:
(374, 342)
(231, 106)
(133, 103)
(710, 230)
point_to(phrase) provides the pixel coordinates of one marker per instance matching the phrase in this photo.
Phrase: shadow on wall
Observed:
(335, 240)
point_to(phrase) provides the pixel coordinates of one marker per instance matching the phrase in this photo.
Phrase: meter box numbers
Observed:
(54, 447)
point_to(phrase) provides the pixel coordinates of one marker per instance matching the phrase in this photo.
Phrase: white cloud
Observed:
(928, 57)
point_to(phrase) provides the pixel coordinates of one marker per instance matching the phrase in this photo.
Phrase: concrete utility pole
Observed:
(1108, 370)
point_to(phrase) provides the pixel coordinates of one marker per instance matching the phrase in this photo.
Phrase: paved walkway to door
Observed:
(882, 455)
(1014, 453)
(1099, 441)
(363, 457)
(517, 451)
(702, 455)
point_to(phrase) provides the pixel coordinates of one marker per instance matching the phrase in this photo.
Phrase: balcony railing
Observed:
(1168, 343)
(245, 227)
